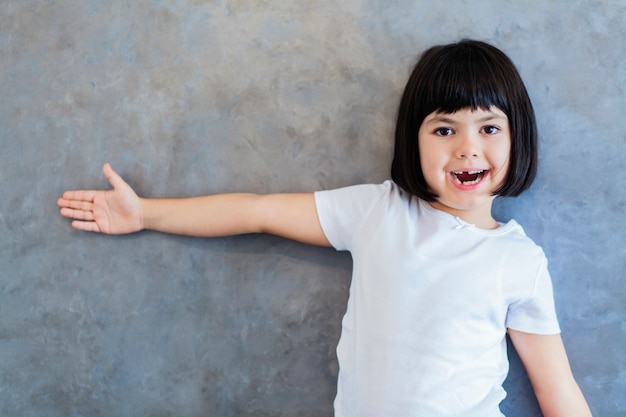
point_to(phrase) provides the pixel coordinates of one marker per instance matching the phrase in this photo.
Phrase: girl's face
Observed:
(465, 158)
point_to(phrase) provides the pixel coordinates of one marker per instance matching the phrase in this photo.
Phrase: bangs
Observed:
(464, 78)
(467, 89)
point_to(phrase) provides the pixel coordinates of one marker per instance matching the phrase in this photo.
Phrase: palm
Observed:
(115, 211)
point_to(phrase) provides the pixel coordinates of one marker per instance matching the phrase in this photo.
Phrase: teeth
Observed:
(480, 171)
(480, 174)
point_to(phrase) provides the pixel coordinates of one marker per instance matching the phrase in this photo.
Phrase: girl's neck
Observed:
(480, 217)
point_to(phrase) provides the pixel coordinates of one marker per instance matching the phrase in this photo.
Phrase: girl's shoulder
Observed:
(361, 196)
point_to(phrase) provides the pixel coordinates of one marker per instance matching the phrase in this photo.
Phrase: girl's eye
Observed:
(490, 130)
(443, 131)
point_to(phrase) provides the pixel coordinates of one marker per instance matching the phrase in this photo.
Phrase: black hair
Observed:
(448, 78)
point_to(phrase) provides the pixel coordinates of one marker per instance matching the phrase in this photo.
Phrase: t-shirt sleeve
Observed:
(536, 313)
(342, 211)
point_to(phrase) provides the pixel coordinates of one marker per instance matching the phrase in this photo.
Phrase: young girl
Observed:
(437, 281)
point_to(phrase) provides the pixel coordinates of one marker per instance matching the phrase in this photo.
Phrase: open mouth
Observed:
(468, 177)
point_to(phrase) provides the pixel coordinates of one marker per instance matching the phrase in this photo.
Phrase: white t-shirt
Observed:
(430, 300)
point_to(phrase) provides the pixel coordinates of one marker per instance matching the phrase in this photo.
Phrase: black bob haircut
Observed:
(448, 78)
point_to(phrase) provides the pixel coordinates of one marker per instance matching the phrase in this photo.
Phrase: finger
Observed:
(80, 195)
(113, 177)
(85, 226)
(77, 214)
(62, 202)
(75, 204)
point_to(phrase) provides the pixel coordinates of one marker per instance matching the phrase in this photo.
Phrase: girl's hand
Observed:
(116, 211)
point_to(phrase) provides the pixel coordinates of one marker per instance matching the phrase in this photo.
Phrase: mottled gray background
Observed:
(190, 97)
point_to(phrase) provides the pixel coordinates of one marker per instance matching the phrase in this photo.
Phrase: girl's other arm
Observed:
(120, 211)
(549, 371)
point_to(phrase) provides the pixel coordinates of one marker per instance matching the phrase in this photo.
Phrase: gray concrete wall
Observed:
(190, 97)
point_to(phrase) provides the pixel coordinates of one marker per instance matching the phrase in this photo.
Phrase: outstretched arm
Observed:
(549, 371)
(120, 210)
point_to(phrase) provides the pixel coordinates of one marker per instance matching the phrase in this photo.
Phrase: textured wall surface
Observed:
(189, 97)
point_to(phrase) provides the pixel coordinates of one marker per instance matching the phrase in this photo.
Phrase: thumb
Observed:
(113, 177)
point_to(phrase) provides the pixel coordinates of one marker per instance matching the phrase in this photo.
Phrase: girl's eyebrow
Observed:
(492, 117)
(439, 119)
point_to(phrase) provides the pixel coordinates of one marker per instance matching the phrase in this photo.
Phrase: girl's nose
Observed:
(468, 146)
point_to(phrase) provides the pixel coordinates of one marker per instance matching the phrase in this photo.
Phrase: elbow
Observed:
(564, 399)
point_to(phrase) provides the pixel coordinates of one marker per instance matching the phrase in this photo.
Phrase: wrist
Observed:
(144, 221)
